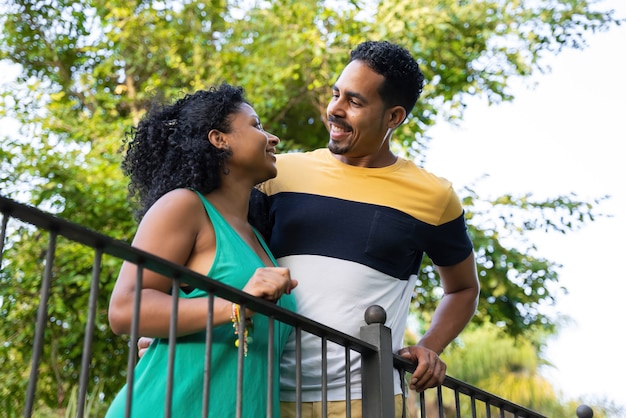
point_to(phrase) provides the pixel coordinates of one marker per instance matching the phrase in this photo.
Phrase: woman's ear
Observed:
(218, 139)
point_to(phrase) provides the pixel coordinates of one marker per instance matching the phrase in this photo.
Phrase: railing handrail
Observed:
(125, 251)
(122, 250)
(467, 389)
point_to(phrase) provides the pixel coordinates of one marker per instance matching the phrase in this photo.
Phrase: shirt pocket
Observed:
(393, 241)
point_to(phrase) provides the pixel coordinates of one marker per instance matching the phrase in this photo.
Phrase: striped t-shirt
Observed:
(354, 237)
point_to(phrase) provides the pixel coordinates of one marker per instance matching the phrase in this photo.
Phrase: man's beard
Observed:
(336, 148)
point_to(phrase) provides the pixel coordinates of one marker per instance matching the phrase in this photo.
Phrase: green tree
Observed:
(488, 358)
(88, 71)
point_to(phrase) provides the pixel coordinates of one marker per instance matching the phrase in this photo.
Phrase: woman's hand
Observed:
(270, 283)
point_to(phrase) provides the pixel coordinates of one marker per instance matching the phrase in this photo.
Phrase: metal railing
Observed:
(378, 363)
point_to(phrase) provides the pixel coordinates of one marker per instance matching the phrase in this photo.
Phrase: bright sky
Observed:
(565, 135)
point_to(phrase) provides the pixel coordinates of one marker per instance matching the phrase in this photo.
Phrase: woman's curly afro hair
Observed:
(169, 148)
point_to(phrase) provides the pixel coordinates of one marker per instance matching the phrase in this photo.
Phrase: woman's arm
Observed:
(169, 230)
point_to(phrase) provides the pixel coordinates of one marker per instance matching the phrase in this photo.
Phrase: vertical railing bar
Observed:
(89, 328)
(241, 327)
(134, 335)
(488, 406)
(270, 366)
(473, 403)
(402, 373)
(422, 404)
(457, 403)
(440, 401)
(42, 313)
(298, 372)
(207, 356)
(171, 355)
(348, 384)
(324, 377)
(502, 413)
(3, 234)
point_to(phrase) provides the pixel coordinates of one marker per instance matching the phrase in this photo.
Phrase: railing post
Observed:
(377, 368)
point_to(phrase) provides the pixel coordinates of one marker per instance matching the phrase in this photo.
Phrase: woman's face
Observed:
(252, 147)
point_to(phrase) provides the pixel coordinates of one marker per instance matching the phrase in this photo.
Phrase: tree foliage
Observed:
(90, 69)
(510, 368)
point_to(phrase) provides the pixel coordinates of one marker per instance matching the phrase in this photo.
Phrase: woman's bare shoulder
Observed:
(176, 206)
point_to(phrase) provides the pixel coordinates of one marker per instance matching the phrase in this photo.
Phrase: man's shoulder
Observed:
(299, 156)
(296, 164)
(293, 169)
(424, 176)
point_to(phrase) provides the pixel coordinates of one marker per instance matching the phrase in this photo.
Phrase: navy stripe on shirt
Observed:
(379, 237)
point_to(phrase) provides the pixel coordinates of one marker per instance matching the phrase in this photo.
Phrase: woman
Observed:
(193, 165)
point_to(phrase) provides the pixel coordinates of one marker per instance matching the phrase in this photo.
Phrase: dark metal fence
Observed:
(454, 398)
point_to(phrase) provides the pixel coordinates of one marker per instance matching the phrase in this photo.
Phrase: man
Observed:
(352, 222)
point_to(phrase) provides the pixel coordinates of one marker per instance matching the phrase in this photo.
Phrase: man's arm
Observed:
(457, 307)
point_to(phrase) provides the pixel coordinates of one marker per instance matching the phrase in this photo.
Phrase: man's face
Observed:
(357, 117)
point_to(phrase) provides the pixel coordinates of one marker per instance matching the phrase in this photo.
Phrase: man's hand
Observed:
(142, 345)
(430, 371)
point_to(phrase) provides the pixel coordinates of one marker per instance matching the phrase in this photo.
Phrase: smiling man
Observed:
(352, 223)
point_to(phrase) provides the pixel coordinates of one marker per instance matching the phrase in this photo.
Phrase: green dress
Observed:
(235, 262)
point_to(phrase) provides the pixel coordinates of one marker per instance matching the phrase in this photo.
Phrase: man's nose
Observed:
(335, 107)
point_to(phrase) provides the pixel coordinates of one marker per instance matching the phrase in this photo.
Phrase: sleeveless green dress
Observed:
(235, 262)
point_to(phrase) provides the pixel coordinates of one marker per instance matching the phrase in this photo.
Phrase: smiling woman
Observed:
(193, 165)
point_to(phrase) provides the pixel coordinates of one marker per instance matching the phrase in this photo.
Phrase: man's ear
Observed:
(397, 114)
(218, 139)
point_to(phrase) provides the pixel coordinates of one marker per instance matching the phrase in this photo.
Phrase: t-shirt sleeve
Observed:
(449, 243)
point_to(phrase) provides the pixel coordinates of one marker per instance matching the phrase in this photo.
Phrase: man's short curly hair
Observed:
(169, 148)
(404, 80)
